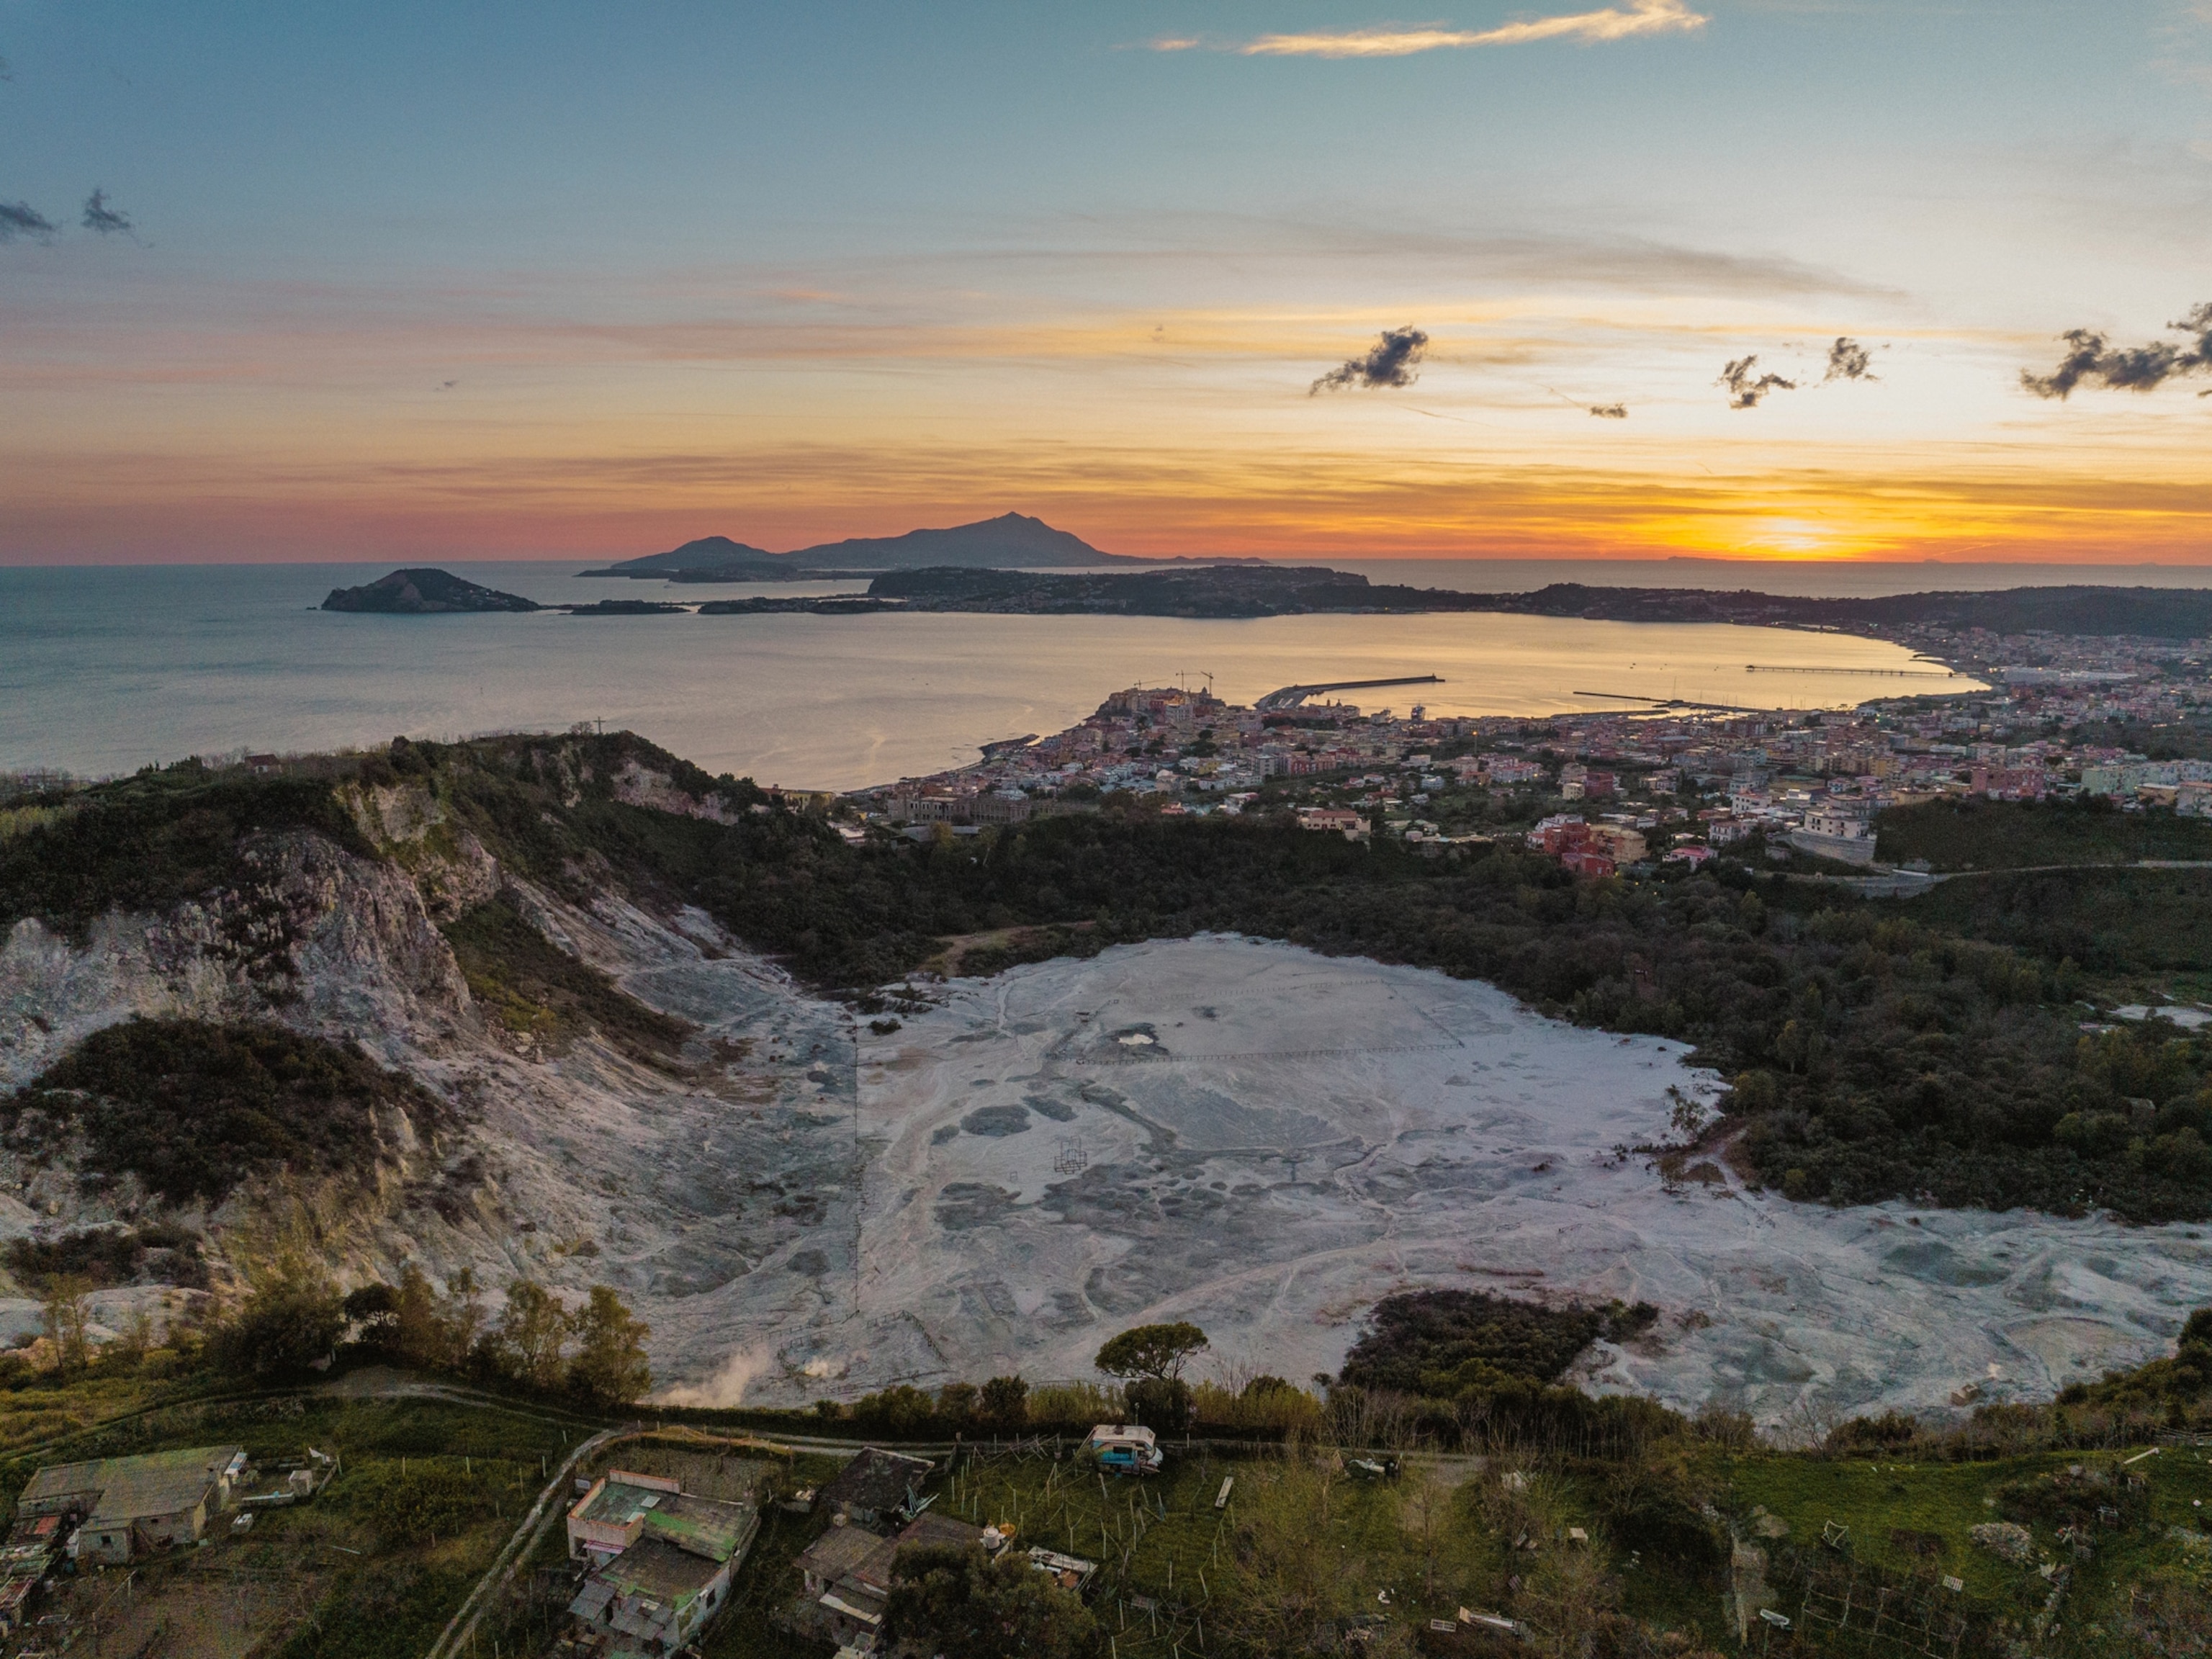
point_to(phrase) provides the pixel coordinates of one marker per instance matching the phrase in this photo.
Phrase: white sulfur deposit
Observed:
(1264, 1142)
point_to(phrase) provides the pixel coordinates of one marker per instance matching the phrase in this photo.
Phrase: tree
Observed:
(66, 1313)
(527, 1343)
(420, 1335)
(1155, 1352)
(1424, 1511)
(960, 1602)
(955, 1401)
(610, 1367)
(1006, 1401)
(1150, 1360)
(373, 1312)
(463, 1311)
(293, 1317)
(133, 1341)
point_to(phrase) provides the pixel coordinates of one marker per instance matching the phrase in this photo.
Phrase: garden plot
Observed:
(1266, 1141)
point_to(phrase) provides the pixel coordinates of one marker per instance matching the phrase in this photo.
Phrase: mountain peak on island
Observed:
(1011, 538)
(706, 553)
(1011, 541)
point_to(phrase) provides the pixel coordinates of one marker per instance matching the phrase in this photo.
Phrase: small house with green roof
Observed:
(661, 1560)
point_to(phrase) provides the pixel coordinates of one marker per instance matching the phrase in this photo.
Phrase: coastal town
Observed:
(1670, 782)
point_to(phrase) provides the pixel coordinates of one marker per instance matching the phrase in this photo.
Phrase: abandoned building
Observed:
(659, 1561)
(847, 1576)
(125, 1507)
(877, 1489)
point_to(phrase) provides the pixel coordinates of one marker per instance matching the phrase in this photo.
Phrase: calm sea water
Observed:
(103, 669)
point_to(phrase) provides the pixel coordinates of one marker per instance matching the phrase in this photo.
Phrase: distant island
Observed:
(1283, 590)
(1012, 540)
(1253, 590)
(423, 592)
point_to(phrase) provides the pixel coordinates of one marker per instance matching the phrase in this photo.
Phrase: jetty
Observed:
(1290, 696)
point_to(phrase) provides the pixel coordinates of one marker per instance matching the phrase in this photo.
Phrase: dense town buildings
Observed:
(1645, 778)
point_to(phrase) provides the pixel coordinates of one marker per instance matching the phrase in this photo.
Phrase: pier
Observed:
(1290, 696)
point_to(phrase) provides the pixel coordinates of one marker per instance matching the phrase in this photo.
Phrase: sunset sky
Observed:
(461, 281)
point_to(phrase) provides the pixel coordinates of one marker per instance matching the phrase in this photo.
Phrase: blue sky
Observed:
(795, 271)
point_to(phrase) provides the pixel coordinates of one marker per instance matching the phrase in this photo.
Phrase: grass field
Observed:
(1165, 1550)
(1907, 1519)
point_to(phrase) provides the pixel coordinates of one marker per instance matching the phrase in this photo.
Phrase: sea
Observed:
(105, 669)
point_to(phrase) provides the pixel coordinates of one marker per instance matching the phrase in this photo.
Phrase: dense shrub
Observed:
(1438, 1342)
(1970, 833)
(522, 980)
(146, 842)
(193, 1108)
(2083, 1495)
(961, 1602)
(92, 1256)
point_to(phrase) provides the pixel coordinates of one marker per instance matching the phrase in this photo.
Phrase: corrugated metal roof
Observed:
(935, 1530)
(617, 1502)
(837, 1551)
(119, 1489)
(591, 1599)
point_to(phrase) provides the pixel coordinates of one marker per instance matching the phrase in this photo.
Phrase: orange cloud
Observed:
(1127, 497)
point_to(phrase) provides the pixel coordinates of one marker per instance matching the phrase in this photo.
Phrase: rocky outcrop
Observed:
(409, 825)
(636, 785)
(332, 944)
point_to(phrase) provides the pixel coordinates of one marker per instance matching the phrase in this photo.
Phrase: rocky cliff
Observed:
(700, 1175)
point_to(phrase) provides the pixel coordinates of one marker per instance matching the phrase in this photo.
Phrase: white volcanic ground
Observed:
(1269, 1141)
(1246, 1135)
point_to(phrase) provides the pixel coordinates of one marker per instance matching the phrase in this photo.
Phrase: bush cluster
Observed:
(193, 1108)
(295, 1318)
(1438, 1343)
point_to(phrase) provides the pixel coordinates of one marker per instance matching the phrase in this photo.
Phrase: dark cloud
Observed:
(1849, 360)
(1389, 363)
(22, 219)
(99, 217)
(2091, 359)
(1610, 411)
(1745, 391)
